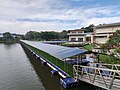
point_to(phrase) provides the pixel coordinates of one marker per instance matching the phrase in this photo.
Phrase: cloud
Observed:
(23, 15)
(38, 26)
(104, 20)
(82, 0)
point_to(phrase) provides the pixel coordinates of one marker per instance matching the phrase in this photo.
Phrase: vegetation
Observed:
(108, 59)
(114, 40)
(9, 38)
(89, 28)
(61, 64)
(89, 47)
(117, 50)
(47, 36)
(63, 35)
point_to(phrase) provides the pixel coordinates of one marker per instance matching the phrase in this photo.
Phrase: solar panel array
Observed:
(60, 52)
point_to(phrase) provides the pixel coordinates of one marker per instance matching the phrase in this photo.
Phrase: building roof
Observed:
(107, 25)
(53, 42)
(77, 30)
(60, 52)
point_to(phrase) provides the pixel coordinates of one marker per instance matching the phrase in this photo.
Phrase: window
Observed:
(80, 32)
(73, 39)
(101, 37)
(73, 32)
(80, 39)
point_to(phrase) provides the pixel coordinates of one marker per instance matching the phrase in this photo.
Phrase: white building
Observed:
(79, 36)
(76, 35)
(100, 35)
(102, 32)
(1, 35)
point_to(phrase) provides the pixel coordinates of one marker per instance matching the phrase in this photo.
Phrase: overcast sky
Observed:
(20, 16)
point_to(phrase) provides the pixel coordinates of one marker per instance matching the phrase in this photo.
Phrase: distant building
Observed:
(1, 35)
(102, 32)
(100, 35)
(78, 36)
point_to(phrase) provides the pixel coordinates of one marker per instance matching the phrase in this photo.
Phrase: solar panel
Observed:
(60, 52)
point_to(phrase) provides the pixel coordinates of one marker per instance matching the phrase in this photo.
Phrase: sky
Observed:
(21, 16)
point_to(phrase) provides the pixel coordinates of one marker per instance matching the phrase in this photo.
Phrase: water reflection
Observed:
(15, 70)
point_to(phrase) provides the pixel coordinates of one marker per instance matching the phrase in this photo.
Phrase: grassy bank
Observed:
(108, 59)
(61, 64)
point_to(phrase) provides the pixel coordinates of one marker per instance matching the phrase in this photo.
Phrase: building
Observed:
(100, 35)
(102, 32)
(78, 36)
(1, 35)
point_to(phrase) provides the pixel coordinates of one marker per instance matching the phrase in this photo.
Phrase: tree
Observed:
(22, 37)
(36, 36)
(7, 36)
(114, 40)
(89, 28)
(29, 35)
(32, 35)
(49, 35)
(63, 35)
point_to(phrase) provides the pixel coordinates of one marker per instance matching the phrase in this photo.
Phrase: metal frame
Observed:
(97, 76)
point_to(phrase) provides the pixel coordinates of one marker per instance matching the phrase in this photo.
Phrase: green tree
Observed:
(114, 40)
(33, 35)
(49, 36)
(22, 37)
(89, 28)
(36, 36)
(29, 35)
(7, 36)
(63, 35)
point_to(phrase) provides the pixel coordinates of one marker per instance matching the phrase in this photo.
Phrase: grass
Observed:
(117, 50)
(89, 47)
(108, 59)
(68, 68)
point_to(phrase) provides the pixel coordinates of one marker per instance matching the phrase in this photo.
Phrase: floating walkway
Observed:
(47, 62)
(60, 53)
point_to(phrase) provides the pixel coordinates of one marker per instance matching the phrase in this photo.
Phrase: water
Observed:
(19, 70)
